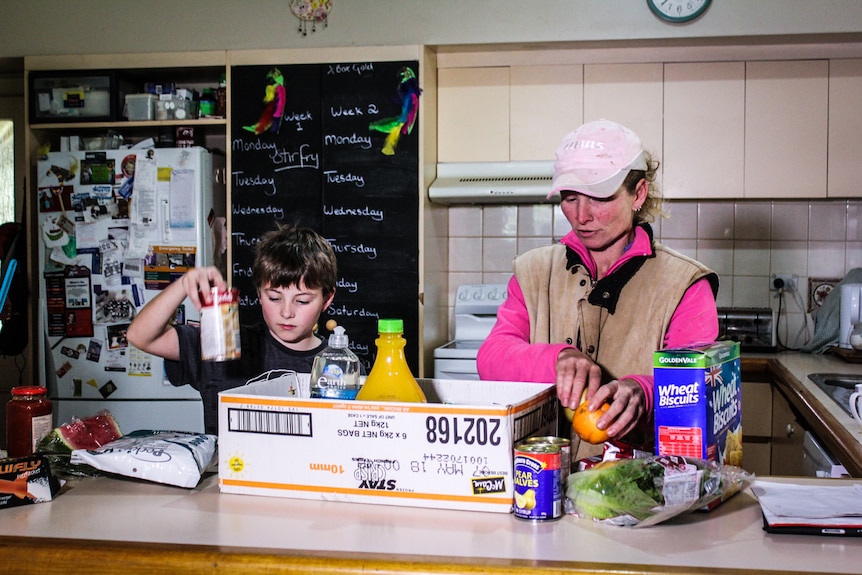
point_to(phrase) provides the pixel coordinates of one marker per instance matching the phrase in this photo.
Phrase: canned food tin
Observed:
(565, 456)
(538, 494)
(220, 326)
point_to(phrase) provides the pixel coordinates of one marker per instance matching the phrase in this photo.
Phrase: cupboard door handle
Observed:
(790, 430)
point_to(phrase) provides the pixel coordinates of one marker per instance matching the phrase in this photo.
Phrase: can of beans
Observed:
(220, 326)
(538, 492)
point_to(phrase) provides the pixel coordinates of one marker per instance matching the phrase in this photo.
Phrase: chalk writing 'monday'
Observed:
(304, 157)
(366, 212)
(364, 142)
(333, 177)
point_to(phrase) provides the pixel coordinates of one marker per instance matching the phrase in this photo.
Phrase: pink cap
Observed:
(596, 158)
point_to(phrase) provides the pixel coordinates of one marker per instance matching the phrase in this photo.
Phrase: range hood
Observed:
(524, 182)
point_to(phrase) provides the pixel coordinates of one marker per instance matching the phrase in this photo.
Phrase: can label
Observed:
(220, 326)
(565, 456)
(538, 492)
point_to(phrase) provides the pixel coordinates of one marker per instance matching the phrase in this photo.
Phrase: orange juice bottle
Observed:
(390, 378)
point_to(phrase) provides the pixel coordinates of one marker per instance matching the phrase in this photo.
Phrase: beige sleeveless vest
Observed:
(621, 343)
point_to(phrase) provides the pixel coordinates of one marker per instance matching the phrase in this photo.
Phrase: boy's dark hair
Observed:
(289, 255)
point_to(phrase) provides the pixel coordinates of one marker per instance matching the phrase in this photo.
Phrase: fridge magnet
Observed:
(63, 168)
(97, 169)
(76, 387)
(115, 359)
(77, 302)
(408, 97)
(314, 11)
(274, 98)
(55, 198)
(113, 306)
(69, 352)
(107, 389)
(63, 369)
(117, 336)
(92, 383)
(94, 351)
(140, 363)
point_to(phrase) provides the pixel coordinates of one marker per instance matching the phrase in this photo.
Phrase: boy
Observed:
(294, 272)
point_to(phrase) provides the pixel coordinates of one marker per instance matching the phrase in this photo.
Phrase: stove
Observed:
(475, 314)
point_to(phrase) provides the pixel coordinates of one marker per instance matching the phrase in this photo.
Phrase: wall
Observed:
(743, 241)
(64, 27)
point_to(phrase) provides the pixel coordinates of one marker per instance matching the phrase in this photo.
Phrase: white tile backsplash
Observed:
(744, 241)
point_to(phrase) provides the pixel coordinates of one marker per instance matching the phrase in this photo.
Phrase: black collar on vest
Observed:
(606, 291)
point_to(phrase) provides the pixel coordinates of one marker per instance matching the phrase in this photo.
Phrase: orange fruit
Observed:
(584, 423)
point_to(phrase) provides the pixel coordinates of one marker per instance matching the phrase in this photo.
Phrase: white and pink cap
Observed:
(595, 159)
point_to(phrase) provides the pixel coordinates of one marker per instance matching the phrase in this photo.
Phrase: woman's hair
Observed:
(290, 255)
(654, 200)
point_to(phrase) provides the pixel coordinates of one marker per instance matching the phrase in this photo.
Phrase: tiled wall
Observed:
(744, 241)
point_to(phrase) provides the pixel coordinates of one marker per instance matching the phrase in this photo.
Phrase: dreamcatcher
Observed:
(313, 11)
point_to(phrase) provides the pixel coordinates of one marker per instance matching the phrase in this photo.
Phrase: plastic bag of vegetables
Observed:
(646, 491)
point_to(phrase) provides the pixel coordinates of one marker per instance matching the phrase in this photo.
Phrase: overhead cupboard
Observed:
(721, 129)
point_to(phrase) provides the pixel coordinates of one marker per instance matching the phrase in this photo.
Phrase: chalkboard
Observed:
(326, 165)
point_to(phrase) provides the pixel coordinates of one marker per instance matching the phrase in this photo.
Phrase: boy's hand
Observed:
(199, 281)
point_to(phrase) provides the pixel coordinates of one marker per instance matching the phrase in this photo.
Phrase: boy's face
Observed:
(291, 312)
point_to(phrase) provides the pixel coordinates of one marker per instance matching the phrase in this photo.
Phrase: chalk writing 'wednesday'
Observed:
(277, 213)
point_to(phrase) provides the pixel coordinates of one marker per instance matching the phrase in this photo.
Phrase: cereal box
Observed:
(698, 402)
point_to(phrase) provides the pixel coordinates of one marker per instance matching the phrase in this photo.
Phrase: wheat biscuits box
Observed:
(697, 401)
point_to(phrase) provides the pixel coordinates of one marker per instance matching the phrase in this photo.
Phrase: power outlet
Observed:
(787, 282)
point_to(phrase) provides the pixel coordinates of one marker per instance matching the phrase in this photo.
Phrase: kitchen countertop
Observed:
(106, 525)
(109, 525)
(840, 433)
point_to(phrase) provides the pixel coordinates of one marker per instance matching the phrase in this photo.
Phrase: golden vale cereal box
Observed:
(697, 400)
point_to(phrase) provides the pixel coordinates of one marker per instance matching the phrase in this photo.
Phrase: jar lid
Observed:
(29, 390)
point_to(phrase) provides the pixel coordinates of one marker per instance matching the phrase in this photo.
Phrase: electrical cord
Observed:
(779, 285)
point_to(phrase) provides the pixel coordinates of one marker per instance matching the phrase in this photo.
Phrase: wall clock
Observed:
(678, 11)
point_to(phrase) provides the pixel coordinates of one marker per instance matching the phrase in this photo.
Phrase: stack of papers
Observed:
(810, 509)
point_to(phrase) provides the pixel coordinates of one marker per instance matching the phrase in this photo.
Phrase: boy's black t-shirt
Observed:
(260, 352)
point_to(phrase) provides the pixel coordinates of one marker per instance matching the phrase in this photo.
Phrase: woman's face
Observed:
(290, 313)
(603, 223)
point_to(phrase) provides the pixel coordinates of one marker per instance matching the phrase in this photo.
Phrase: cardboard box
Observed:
(698, 402)
(455, 452)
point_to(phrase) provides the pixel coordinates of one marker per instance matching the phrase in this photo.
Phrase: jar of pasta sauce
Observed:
(28, 419)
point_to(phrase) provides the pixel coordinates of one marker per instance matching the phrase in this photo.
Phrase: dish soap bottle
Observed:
(335, 371)
(390, 378)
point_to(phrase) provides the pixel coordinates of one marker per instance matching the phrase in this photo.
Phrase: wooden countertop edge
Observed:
(62, 556)
(837, 439)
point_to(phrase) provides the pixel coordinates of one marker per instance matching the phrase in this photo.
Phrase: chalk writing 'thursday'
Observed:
(368, 251)
(366, 212)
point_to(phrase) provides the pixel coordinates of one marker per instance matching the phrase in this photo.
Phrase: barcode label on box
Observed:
(269, 422)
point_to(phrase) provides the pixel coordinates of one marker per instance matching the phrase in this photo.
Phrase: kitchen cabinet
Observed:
(845, 127)
(772, 433)
(786, 120)
(788, 435)
(757, 427)
(473, 115)
(630, 94)
(704, 122)
(546, 103)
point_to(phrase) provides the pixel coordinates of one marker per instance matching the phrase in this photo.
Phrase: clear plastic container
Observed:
(335, 372)
(390, 378)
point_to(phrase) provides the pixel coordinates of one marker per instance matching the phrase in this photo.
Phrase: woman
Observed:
(588, 313)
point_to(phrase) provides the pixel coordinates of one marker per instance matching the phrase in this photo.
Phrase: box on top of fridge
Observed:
(698, 402)
(454, 452)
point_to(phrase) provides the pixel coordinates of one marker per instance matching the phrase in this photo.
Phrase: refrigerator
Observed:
(114, 228)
